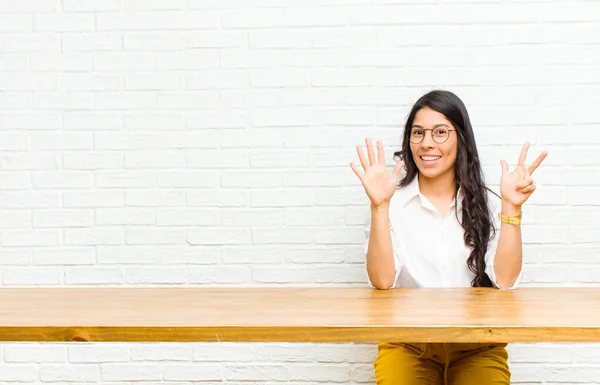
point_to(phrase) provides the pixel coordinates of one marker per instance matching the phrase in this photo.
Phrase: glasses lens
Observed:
(440, 135)
(417, 136)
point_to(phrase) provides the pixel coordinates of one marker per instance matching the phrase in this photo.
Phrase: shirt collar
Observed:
(412, 190)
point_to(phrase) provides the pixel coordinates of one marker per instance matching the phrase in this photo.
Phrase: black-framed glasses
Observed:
(439, 134)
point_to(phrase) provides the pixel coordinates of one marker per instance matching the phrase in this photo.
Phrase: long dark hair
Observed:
(476, 216)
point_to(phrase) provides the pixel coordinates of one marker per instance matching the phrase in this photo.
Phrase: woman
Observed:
(442, 227)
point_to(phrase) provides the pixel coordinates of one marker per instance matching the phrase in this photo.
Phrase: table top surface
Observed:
(323, 314)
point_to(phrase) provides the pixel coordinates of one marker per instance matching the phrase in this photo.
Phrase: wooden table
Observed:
(299, 314)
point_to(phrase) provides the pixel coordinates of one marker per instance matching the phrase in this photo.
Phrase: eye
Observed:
(418, 132)
(440, 131)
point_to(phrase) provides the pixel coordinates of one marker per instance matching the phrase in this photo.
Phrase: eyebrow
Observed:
(436, 126)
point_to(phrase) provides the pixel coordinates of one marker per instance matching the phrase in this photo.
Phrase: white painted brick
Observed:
(188, 217)
(217, 118)
(154, 160)
(153, 81)
(218, 159)
(314, 254)
(88, 82)
(125, 216)
(256, 372)
(32, 353)
(32, 276)
(540, 353)
(224, 351)
(219, 236)
(194, 255)
(585, 352)
(346, 353)
(14, 63)
(93, 276)
(152, 121)
(28, 81)
(121, 255)
(123, 61)
(62, 180)
(216, 39)
(91, 160)
(61, 218)
(29, 42)
(61, 62)
(91, 121)
(314, 178)
(219, 275)
(154, 198)
(318, 16)
(13, 142)
(85, 199)
(64, 101)
(291, 275)
(94, 236)
(64, 256)
(154, 235)
(17, 372)
(64, 23)
(188, 100)
(30, 200)
(28, 6)
(124, 179)
(252, 255)
(280, 198)
(143, 5)
(130, 372)
(361, 373)
(340, 274)
(208, 79)
(188, 179)
(154, 41)
(155, 275)
(15, 101)
(334, 216)
(95, 353)
(252, 217)
(31, 237)
(91, 41)
(192, 372)
(297, 352)
(191, 60)
(90, 5)
(201, 139)
(250, 179)
(164, 352)
(216, 198)
(545, 274)
(16, 257)
(152, 21)
(62, 141)
(15, 23)
(125, 100)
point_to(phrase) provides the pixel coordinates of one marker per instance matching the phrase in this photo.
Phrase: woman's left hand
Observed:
(516, 187)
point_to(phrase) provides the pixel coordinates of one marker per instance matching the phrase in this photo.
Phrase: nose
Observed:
(428, 141)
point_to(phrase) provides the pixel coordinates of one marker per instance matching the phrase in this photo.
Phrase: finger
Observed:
(529, 189)
(361, 156)
(370, 151)
(504, 166)
(523, 155)
(397, 168)
(536, 163)
(380, 153)
(524, 183)
(356, 171)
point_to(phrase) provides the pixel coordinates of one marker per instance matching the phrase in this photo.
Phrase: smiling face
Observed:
(433, 159)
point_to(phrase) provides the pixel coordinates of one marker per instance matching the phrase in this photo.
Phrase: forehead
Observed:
(426, 117)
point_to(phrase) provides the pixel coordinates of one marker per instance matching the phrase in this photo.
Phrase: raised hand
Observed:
(380, 184)
(517, 186)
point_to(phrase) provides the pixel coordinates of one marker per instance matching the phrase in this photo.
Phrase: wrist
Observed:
(510, 209)
(380, 208)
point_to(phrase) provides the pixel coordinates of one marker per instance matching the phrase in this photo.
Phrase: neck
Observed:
(442, 186)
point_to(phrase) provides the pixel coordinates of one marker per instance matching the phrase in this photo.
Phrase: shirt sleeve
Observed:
(490, 254)
(395, 249)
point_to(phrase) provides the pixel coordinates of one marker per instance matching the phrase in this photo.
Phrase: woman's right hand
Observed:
(380, 184)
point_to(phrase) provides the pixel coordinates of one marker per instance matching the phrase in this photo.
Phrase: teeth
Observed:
(430, 157)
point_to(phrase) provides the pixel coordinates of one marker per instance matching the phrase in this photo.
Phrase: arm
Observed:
(380, 258)
(509, 254)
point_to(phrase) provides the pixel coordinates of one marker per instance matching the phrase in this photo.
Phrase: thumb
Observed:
(397, 168)
(504, 167)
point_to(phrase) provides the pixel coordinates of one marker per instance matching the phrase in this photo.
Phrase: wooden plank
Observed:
(325, 314)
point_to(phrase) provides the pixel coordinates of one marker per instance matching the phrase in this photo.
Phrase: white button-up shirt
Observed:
(429, 250)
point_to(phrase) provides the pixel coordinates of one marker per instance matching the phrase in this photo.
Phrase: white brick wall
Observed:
(207, 142)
